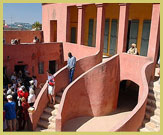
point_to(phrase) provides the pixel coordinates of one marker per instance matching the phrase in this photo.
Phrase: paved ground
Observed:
(127, 101)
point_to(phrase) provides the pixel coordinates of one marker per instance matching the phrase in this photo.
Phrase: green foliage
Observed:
(37, 26)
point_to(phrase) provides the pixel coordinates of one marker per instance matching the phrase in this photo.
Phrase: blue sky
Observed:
(22, 12)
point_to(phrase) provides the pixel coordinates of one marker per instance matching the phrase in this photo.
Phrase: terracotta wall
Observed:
(134, 120)
(24, 36)
(54, 12)
(79, 51)
(31, 55)
(62, 81)
(94, 93)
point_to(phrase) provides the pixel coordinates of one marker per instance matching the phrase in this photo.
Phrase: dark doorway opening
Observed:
(128, 96)
(20, 67)
(52, 66)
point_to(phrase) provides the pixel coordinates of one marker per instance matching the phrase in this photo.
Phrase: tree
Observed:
(37, 26)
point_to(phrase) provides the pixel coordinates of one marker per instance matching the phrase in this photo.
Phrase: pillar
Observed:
(68, 25)
(100, 28)
(80, 31)
(123, 28)
(154, 37)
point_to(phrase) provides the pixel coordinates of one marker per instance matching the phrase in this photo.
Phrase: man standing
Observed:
(71, 66)
(10, 109)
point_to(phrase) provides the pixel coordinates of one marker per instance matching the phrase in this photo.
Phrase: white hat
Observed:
(31, 81)
(9, 96)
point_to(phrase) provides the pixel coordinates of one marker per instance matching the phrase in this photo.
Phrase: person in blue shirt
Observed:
(10, 113)
(71, 66)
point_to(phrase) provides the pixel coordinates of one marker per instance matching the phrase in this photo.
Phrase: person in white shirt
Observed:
(51, 88)
(13, 77)
(31, 97)
(35, 81)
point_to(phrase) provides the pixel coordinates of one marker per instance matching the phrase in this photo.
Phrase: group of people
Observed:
(18, 96)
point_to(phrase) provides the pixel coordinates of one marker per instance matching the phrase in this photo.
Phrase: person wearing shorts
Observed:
(51, 88)
(10, 113)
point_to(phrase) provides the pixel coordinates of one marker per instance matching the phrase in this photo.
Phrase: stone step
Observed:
(154, 96)
(151, 126)
(45, 117)
(56, 106)
(157, 112)
(144, 130)
(43, 124)
(153, 103)
(48, 117)
(46, 125)
(48, 130)
(148, 115)
(48, 110)
(152, 110)
(145, 121)
(54, 112)
(39, 129)
(155, 119)
(59, 94)
(154, 89)
(51, 106)
(58, 99)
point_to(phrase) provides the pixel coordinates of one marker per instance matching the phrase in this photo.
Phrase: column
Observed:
(154, 36)
(68, 25)
(80, 30)
(100, 27)
(123, 28)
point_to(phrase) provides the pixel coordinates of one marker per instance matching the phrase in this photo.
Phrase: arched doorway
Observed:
(128, 96)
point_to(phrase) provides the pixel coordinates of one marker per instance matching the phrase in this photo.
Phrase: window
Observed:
(113, 37)
(90, 33)
(73, 34)
(145, 37)
(106, 35)
(41, 67)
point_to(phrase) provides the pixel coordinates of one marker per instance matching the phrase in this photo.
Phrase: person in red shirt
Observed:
(24, 93)
(25, 107)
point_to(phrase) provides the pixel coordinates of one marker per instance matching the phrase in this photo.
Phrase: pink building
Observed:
(90, 31)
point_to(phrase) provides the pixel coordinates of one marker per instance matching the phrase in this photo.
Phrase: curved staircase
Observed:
(151, 121)
(48, 117)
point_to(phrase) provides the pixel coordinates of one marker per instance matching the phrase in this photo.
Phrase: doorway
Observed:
(20, 67)
(52, 66)
(53, 31)
(128, 96)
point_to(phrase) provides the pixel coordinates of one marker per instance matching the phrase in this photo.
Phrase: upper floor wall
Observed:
(34, 58)
(24, 36)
